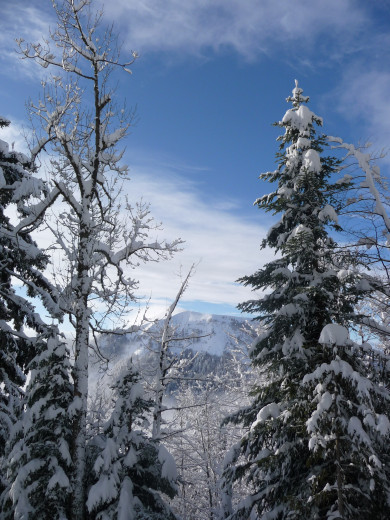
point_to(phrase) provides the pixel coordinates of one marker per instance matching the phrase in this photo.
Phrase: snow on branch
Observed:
(375, 325)
(37, 212)
(4, 327)
(371, 173)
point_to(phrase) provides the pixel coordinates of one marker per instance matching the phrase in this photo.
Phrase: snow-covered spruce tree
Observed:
(80, 129)
(349, 429)
(132, 470)
(21, 264)
(39, 463)
(316, 445)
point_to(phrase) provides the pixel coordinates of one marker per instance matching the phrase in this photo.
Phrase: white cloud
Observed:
(224, 246)
(251, 28)
(27, 21)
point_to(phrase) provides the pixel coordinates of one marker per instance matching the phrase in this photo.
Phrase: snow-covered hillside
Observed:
(211, 333)
(212, 336)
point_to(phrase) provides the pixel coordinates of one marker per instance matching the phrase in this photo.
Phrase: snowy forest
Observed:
(283, 417)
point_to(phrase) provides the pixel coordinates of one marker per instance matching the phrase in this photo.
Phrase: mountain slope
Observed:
(210, 333)
(209, 341)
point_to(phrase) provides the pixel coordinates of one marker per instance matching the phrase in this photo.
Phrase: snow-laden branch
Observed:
(4, 327)
(48, 294)
(75, 40)
(69, 197)
(173, 306)
(164, 367)
(37, 212)
(371, 173)
(81, 130)
(375, 325)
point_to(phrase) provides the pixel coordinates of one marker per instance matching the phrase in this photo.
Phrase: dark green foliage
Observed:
(310, 285)
(39, 464)
(23, 262)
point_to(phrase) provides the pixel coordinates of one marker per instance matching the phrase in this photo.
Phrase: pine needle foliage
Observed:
(318, 418)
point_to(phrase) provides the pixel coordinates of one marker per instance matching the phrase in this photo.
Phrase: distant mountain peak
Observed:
(212, 333)
(212, 336)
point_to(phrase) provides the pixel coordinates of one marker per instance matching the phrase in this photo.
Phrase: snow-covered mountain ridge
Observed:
(208, 344)
(211, 333)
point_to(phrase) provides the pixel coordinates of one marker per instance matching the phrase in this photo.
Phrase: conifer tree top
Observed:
(297, 98)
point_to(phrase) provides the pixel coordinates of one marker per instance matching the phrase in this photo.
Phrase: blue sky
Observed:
(211, 79)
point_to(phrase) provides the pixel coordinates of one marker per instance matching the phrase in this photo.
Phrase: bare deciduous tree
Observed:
(80, 128)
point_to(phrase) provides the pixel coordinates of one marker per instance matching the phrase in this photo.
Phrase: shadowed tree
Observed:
(21, 264)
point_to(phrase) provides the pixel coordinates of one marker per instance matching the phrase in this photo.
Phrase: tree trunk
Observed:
(80, 376)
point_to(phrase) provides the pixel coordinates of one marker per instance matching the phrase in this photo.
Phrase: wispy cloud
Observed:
(363, 98)
(23, 20)
(251, 28)
(224, 246)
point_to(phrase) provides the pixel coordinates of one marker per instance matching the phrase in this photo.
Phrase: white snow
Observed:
(346, 178)
(136, 392)
(286, 192)
(328, 213)
(270, 410)
(168, 469)
(126, 501)
(231, 455)
(337, 366)
(297, 93)
(4, 147)
(294, 343)
(28, 187)
(75, 406)
(311, 161)
(289, 310)
(375, 461)
(131, 457)
(355, 429)
(300, 229)
(64, 451)
(109, 453)
(299, 119)
(105, 490)
(334, 334)
(283, 271)
(216, 333)
(363, 285)
(343, 274)
(2, 179)
(59, 478)
(383, 426)
(323, 406)
(303, 142)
